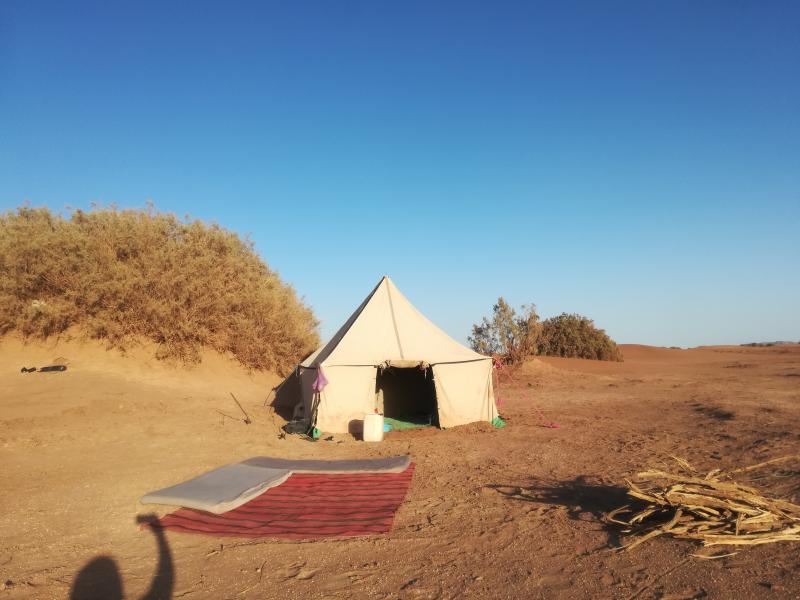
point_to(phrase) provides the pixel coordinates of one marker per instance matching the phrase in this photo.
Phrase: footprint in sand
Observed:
(297, 571)
(347, 579)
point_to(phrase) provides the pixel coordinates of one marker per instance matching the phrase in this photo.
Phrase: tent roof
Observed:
(387, 327)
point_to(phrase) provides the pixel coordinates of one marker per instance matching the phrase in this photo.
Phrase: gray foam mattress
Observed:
(392, 464)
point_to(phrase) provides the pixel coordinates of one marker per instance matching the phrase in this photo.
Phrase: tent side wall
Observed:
(307, 377)
(349, 395)
(464, 392)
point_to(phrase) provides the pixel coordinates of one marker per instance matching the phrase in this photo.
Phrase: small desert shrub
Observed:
(119, 274)
(506, 334)
(517, 337)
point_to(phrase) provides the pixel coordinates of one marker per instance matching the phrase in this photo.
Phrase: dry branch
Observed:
(713, 509)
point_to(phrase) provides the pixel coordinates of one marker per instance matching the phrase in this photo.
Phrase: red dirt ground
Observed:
(491, 513)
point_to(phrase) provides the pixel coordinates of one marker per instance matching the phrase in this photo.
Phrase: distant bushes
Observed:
(117, 274)
(518, 336)
(576, 336)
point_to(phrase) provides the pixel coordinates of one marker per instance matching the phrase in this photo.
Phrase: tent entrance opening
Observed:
(409, 395)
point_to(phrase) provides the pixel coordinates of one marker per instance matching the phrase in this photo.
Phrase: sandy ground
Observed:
(490, 514)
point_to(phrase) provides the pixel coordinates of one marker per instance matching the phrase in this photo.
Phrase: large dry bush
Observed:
(576, 336)
(517, 337)
(120, 274)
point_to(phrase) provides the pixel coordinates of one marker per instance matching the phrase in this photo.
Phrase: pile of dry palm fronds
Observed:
(712, 508)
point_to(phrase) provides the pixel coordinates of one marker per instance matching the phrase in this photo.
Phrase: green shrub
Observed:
(506, 334)
(118, 274)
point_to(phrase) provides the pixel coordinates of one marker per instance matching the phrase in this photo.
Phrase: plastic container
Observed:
(373, 427)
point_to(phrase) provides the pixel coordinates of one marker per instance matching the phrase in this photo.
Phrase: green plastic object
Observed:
(315, 433)
(498, 422)
(398, 425)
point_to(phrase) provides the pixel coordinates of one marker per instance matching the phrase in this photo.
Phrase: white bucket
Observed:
(373, 427)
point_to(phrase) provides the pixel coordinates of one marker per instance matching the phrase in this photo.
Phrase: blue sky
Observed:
(636, 162)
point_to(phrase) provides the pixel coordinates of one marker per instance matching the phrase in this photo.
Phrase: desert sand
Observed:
(491, 513)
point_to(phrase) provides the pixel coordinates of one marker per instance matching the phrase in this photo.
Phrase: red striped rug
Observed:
(306, 506)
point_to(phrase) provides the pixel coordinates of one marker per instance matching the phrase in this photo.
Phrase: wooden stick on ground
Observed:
(247, 419)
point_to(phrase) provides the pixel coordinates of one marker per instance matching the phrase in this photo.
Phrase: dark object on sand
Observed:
(47, 369)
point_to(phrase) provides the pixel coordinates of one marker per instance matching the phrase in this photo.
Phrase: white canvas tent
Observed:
(387, 344)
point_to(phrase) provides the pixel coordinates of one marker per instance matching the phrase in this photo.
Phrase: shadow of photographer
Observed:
(100, 578)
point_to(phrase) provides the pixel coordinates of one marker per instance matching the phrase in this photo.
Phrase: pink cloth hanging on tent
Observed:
(321, 381)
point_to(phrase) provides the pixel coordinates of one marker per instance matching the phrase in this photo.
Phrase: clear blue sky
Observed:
(636, 162)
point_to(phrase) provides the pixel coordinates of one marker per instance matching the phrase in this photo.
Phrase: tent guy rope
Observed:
(499, 368)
